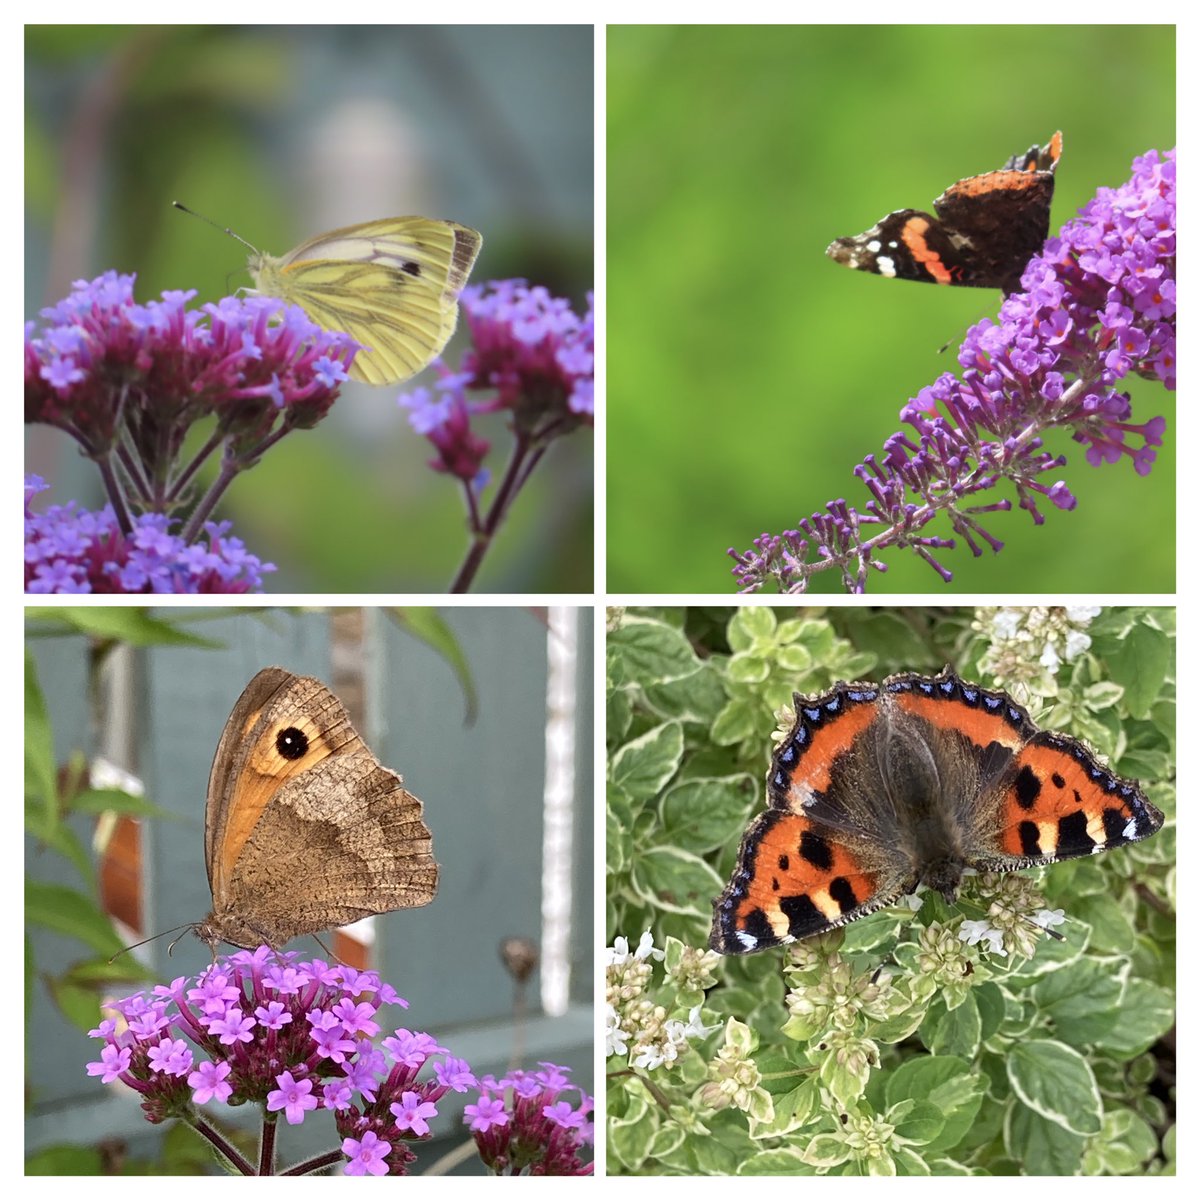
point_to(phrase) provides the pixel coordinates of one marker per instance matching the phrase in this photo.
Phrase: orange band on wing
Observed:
(980, 726)
(795, 882)
(825, 741)
(265, 772)
(913, 234)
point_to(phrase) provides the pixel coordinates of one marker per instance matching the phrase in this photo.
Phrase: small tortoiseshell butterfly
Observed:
(878, 788)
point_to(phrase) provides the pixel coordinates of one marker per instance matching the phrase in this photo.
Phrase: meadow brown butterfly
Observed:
(304, 829)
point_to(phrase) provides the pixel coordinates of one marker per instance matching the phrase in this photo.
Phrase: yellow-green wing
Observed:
(391, 284)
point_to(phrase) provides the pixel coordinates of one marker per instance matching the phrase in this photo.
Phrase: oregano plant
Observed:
(1023, 1029)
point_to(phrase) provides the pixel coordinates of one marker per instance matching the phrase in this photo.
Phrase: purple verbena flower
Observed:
(69, 549)
(522, 1124)
(366, 1156)
(1098, 305)
(102, 362)
(198, 1046)
(532, 357)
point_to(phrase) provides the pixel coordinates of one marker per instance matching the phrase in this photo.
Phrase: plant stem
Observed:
(224, 1148)
(514, 477)
(133, 472)
(229, 472)
(184, 478)
(112, 485)
(266, 1149)
(317, 1163)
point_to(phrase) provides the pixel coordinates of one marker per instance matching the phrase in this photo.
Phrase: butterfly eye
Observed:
(292, 743)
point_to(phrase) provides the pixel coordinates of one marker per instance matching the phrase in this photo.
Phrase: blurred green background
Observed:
(747, 374)
(283, 132)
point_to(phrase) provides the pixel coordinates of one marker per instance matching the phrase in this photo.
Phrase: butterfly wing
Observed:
(392, 285)
(828, 850)
(908, 244)
(229, 764)
(310, 831)
(1059, 801)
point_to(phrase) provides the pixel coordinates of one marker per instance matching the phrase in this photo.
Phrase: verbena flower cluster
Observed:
(70, 549)
(103, 367)
(127, 382)
(531, 352)
(296, 1038)
(1098, 306)
(535, 358)
(523, 1124)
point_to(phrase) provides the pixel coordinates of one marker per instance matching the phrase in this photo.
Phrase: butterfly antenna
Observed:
(329, 952)
(210, 221)
(1058, 937)
(144, 941)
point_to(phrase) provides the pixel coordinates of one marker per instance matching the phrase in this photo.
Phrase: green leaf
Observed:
(1147, 1013)
(666, 1140)
(620, 717)
(102, 800)
(80, 1005)
(630, 1134)
(1083, 1002)
(695, 698)
(750, 625)
(1140, 664)
(70, 913)
(793, 1110)
(1042, 1146)
(643, 766)
(430, 627)
(652, 650)
(1124, 1147)
(748, 668)
(1102, 695)
(703, 814)
(672, 879)
(735, 723)
(1056, 1082)
(135, 626)
(921, 1123)
(775, 1162)
(713, 1157)
(1111, 931)
(40, 769)
(953, 1032)
(951, 1084)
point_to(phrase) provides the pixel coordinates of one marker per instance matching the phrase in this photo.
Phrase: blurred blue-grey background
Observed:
(281, 132)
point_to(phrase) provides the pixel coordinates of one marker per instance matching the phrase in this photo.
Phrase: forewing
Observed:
(393, 285)
(442, 251)
(237, 739)
(908, 244)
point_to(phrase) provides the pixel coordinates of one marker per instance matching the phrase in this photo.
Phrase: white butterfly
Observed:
(391, 284)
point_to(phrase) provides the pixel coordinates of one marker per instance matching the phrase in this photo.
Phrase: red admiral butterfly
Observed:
(880, 787)
(986, 230)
